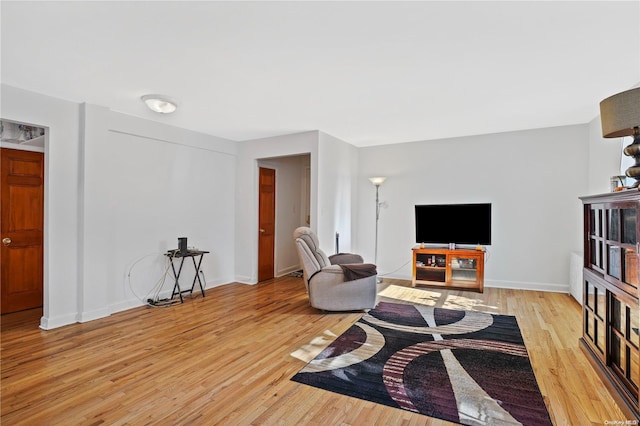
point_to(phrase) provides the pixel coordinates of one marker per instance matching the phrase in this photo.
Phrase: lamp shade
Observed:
(620, 114)
(377, 181)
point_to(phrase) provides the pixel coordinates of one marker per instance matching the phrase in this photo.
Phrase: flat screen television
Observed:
(453, 223)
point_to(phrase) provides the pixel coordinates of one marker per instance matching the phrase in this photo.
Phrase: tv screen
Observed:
(453, 223)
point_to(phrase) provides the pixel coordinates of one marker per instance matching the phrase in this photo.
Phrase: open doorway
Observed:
(22, 181)
(292, 187)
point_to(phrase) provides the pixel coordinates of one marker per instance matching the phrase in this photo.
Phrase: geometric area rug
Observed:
(466, 367)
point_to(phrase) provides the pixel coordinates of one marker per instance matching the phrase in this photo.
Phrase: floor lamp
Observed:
(377, 181)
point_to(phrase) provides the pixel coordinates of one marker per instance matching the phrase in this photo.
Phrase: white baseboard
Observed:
(93, 315)
(125, 305)
(47, 323)
(55, 322)
(165, 294)
(524, 285)
(514, 285)
(217, 283)
(288, 270)
(244, 279)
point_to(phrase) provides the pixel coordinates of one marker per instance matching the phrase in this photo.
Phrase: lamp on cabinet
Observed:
(620, 116)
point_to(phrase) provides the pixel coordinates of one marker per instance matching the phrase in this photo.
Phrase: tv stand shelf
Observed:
(459, 269)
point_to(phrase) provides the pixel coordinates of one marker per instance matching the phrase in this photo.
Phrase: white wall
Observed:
(603, 160)
(61, 195)
(337, 192)
(333, 175)
(533, 179)
(249, 152)
(290, 208)
(118, 188)
(146, 184)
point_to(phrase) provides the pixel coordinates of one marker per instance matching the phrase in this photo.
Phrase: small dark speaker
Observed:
(182, 245)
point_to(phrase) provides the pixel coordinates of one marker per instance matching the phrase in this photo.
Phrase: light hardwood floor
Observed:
(228, 358)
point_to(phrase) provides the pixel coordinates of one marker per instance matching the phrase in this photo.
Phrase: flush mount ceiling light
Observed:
(160, 103)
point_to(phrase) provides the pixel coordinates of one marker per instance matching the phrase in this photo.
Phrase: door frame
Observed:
(45, 213)
(305, 199)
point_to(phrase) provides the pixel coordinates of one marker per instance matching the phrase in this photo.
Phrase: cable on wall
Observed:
(154, 293)
(395, 270)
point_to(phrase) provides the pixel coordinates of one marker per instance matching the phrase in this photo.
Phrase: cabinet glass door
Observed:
(594, 311)
(621, 247)
(464, 268)
(596, 237)
(629, 256)
(623, 355)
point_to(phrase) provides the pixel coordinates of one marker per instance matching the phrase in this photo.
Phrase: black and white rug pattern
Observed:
(462, 366)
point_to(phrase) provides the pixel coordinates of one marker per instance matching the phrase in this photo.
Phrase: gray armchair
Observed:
(327, 286)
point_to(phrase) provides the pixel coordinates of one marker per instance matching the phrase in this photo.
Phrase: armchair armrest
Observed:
(356, 271)
(342, 258)
(344, 273)
(328, 290)
(329, 274)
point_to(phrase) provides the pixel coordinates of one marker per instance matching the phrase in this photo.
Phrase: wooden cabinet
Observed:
(611, 312)
(454, 269)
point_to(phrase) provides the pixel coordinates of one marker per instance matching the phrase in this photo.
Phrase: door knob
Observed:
(261, 230)
(6, 241)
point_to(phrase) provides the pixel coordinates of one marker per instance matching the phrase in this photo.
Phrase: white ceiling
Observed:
(366, 72)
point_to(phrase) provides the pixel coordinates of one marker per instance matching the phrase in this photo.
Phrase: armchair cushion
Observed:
(312, 248)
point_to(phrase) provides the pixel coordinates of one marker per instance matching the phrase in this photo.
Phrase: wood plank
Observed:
(227, 359)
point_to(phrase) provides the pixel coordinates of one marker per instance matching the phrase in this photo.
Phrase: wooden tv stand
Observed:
(459, 269)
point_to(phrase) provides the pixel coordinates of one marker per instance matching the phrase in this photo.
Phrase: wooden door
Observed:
(266, 221)
(22, 224)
